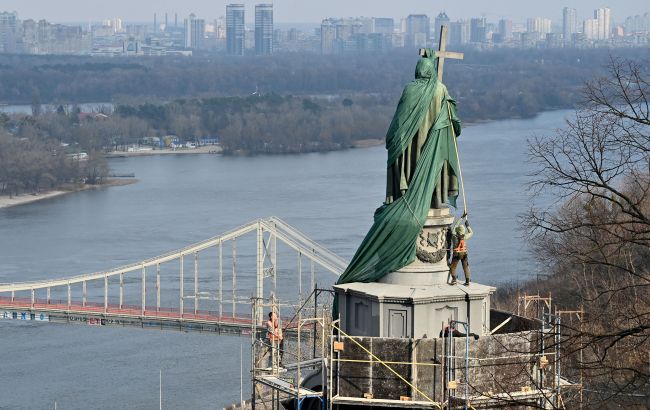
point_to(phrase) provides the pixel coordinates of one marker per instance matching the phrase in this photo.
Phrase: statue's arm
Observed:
(455, 121)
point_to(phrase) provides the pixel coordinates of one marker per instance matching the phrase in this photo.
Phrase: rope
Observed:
(460, 169)
(388, 367)
(408, 205)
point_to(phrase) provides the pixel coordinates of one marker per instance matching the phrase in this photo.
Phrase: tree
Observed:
(96, 168)
(596, 235)
(36, 103)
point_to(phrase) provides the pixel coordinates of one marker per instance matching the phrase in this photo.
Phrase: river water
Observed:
(186, 198)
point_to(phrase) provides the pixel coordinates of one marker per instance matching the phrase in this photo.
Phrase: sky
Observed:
(313, 11)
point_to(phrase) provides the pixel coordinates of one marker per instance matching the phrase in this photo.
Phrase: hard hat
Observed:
(460, 229)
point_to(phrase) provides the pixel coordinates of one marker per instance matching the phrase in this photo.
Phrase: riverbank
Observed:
(22, 199)
(206, 149)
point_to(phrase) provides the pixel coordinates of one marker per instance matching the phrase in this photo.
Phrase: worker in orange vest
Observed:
(274, 335)
(459, 247)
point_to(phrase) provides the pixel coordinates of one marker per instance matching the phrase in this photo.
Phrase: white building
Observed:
(604, 17)
(569, 23)
(590, 29)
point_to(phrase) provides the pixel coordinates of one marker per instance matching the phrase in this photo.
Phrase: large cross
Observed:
(442, 52)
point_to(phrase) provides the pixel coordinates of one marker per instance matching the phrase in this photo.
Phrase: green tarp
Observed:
(390, 243)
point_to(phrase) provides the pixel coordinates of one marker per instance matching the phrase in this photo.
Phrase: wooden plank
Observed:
(356, 401)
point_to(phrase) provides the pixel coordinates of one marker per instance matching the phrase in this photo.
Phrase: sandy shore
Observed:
(207, 149)
(6, 202)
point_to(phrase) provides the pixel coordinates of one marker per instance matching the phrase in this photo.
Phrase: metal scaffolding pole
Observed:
(260, 271)
(157, 287)
(558, 372)
(313, 275)
(144, 289)
(220, 279)
(234, 276)
(299, 277)
(121, 289)
(274, 260)
(196, 283)
(181, 286)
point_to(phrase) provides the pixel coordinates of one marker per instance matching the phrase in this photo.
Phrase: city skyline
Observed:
(234, 35)
(295, 11)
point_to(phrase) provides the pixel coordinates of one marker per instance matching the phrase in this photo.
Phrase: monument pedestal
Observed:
(416, 301)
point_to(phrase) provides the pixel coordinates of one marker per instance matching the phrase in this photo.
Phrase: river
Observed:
(186, 198)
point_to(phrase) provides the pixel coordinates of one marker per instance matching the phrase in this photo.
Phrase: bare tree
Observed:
(596, 235)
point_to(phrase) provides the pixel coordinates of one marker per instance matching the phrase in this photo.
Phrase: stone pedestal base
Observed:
(389, 310)
(430, 265)
(416, 300)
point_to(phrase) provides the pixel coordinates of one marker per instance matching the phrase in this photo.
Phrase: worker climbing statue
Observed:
(459, 248)
(423, 181)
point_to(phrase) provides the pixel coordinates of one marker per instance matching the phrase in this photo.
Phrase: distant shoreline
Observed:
(206, 149)
(23, 199)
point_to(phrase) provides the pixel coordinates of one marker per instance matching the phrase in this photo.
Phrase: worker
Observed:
(456, 333)
(459, 247)
(274, 336)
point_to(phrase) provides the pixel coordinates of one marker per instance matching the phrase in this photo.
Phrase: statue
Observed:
(422, 171)
(414, 117)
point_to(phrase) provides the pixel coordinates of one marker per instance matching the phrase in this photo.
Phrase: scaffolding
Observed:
(502, 370)
(578, 315)
(303, 342)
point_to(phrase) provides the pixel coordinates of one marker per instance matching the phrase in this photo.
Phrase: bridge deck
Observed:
(96, 314)
(113, 315)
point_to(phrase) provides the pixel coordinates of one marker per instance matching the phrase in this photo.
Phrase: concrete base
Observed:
(421, 311)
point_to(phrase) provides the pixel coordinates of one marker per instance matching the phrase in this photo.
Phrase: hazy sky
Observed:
(313, 10)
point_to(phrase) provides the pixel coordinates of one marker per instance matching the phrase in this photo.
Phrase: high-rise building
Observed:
(590, 29)
(538, 25)
(441, 19)
(569, 24)
(459, 32)
(327, 36)
(364, 25)
(235, 29)
(383, 25)
(604, 17)
(117, 25)
(384, 28)
(478, 30)
(264, 29)
(8, 32)
(417, 30)
(194, 32)
(505, 30)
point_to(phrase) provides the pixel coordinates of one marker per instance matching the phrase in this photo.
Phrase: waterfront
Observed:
(183, 199)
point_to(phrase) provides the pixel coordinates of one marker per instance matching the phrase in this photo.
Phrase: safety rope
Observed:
(460, 169)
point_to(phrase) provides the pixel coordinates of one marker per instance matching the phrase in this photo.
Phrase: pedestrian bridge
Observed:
(208, 286)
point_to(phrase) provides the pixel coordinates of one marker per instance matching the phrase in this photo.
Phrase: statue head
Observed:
(425, 69)
(460, 230)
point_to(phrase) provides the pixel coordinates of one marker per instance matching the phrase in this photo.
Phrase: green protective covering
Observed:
(391, 242)
(412, 107)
